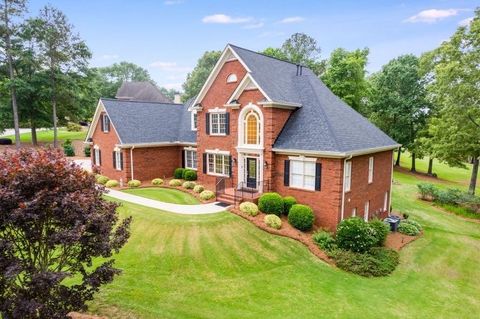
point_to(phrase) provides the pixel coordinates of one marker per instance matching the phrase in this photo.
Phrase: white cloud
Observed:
(254, 25)
(225, 19)
(465, 22)
(169, 66)
(292, 20)
(172, 2)
(432, 15)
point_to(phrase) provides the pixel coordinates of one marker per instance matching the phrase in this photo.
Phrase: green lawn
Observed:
(167, 195)
(47, 136)
(221, 266)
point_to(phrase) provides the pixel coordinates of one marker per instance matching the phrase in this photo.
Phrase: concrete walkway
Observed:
(199, 209)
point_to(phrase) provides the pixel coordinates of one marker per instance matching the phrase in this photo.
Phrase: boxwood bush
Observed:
(381, 231)
(414, 223)
(111, 183)
(271, 203)
(377, 262)
(102, 179)
(178, 173)
(188, 185)
(272, 221)
(189, 175)
(355, 234)
(288, 202)
(175, 182)
(207, 195)
(249, 208)
(157, 181)
(301, 217)
(134, 183)
(198, 188)
(408, 229)
(324, 240)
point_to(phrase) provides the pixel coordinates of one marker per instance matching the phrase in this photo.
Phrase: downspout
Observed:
(343, 186)
(131, 162)
(390, 191)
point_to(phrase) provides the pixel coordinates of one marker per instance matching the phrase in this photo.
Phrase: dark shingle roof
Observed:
(141, 91)
(149, 122)
(324, 122)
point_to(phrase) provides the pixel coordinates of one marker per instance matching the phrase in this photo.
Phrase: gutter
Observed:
(140, 145)
(131, 162)
(337, 154)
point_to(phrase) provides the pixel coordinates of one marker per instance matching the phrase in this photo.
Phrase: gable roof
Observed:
(141, 91)
(140, 122)
(324, 123)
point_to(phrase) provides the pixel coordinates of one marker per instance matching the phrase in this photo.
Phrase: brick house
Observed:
(258, 124)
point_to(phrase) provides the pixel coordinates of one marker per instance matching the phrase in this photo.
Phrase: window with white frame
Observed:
(354, 212)
(302, 173)
(218, 124)
(105, 123)
(96, 152)
(232, 78)
(218, 164)
(347, 183)
(191, 159)
(118, 159)
(194, 120)
(251, 127)
(370, 169)
(367, 208)
(385, 202)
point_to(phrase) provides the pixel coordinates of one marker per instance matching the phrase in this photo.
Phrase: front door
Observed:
(251, 172)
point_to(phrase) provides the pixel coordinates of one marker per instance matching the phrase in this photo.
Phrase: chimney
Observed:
(177, 98)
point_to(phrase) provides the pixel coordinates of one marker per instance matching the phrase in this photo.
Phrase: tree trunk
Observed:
(430, 166)
(397, 163)
(473, 178)
(413, 168)
(54, 110)
(33, 128)
(13, 92)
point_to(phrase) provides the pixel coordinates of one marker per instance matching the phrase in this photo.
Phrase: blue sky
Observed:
(168, 36)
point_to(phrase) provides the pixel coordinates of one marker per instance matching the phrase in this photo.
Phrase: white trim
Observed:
(336, 154)
(217, 110)
(345, 189)
(342, 209)
(247, 83)
(241, 127)
(367, 210)
(224, 156)
(193, 127)
(100, 108)
(217, 151)
(211, 119)
(118, 160)
(385, 201)
(303, 161)
(354, 212)
(241, 167)
(371, 165)
(391, 186)
(216, 69)
(144, 145)
(96, 156)
(191, 150)
(280, 105)
(302, 158)
(232, 78)
(131, 161)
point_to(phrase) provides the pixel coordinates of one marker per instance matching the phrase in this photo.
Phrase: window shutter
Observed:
(207, 123)
(230, 165)
(227, 123)
(318, 176)
(205, 163)
(121, 161)
(114, 161)
(100, 157)
(101, 122)
(183, 158)
(286, 173)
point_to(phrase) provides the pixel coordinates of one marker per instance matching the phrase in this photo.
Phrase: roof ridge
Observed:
(268, 56)
(139, 101)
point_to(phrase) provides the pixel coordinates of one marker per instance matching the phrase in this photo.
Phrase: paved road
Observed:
(199, 209)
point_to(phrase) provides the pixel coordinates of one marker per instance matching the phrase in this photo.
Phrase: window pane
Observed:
(218, 164)
(211, 167)
(297, 167)
(222, 120)
(309, 182)
(309, 168)
(297, 180)
(214, 126)
(194, 156)
(252, 129)
(226, 165)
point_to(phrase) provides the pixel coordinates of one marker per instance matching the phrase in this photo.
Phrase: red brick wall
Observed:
(361, 190)
(107, 142)
(325, 203)
(153, 162)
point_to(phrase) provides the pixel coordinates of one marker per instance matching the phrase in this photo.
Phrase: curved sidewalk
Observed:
(199, 209)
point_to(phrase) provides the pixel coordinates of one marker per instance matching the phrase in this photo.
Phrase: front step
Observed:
(226, 198)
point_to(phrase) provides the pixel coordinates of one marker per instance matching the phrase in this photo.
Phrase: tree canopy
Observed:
(111, 77)
(195, 79)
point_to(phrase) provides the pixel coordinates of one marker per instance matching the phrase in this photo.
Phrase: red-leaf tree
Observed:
(54, 224)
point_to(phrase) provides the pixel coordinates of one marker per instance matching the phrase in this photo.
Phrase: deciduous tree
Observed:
(195, 79)
(57, 235)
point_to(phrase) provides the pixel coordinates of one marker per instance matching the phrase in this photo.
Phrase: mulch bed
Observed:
(397, 241)
(76, 315)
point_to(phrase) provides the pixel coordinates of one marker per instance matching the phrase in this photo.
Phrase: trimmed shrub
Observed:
(68, 149)
(178, 173)
(74, 127)
(271, 203)
(134, 183)
(175, 182)
(189, 175)
(157, 181)
(381, 231)
(273, 221)
(414, 223)
(301, 217)
(198, 188)
(376, 262)
(188, 185)
(427, 191)
(324, 240)
(102, 179)
(355, 234)
(87, 151)
(249, 208)
(111, 183)
(408, 229)
(288, 202)
(450, 196)
(207, 195)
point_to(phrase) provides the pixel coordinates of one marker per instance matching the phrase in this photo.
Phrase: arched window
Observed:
(232, 78)
(252, 128)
